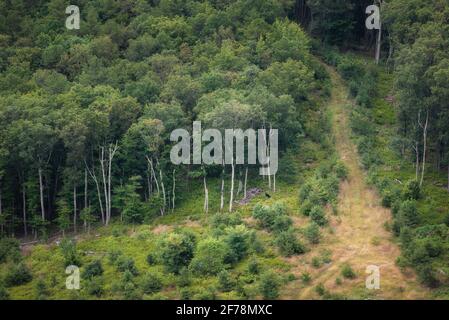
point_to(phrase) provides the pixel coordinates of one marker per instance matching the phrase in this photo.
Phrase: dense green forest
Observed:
(85, 123)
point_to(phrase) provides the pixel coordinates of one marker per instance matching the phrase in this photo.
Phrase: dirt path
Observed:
(359, 236)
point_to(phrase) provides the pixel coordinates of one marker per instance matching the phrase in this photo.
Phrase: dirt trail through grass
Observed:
(358, 234)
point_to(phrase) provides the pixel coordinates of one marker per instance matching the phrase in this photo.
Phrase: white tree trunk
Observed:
(244, 185)
(173, 190)
(417, 160)
(222, 189)
(425, 149)
(74, 209)
(153, 174)
(206, 195)
(378, 44)
(231, 199)
(163, 191)
(41, 192)
(94, 177)
(24, 212)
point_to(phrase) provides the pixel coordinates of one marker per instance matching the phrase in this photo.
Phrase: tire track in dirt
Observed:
(358, 235)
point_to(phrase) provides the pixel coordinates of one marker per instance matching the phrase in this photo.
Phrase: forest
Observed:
(86, 179)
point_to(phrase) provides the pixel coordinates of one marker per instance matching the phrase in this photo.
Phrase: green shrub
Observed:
(306, 207)
(70, 253)
(125, 264)
(41, 290)
(316, 262)
(237, 240)
(176, 250)
(427, 276)
(17, 275)
(232, 219)
(253, 266)
(288, 243)
(312, 233)
(209, 257)
(318, 216)
(184, 278)
(4, 295)
(151, 259)
(225, 281)
(408, 214)
(113, 255)
(281, 223)
(151, 283)
(412, 190)
(269, 285)
(93, 269)
(306, 278)
(320, 290)
(347, 272)
(9, 249)
(94, 287)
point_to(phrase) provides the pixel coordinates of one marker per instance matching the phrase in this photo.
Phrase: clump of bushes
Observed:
(312, 233)
(273, 218)
(17, 275)
(70, 253)
(209, 257)
(176, 250)
(126, 264)
(93, 269)
(237, 240)
(151, 283)
(347, 272)
(9, 250)
(318, 216)
(269, 285)
(288, 243)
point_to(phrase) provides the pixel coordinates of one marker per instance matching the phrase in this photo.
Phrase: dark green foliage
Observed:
(17, 275)
(253, 266)
(408, 214)
(288, 243)
(209, 257)
(318, 216)
(151, 283)
(412, 190)
(4, 295)
(70, 252)
(274, 218)
(9, 249)
(237, 240)
(225, 281)
(94, 287)
(41, 290)
(151, 259)
(176, 250)
(125, 264)
(347, 272)
(269, 285)
(184, 278)
(312, 233)
(92, 270)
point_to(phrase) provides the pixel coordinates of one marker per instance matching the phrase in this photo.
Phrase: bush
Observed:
(184, 279)
(273, 218)
(237, 241)
(408, 214)
(151, 259)
(113, 256)
(412, 190)
(347, 272)
(94, 287)
(176, 250)
(125, 264)
(312, 233)
(9, 249)
(93, 269)
(253, 266)
(306, 207)
(288, 244)
(281, 223)
(70, 253)
(4, 295)
(306, 278)
(269, 285)
(41, 290)
(318, 216)
(151, 283)
(225, 281)
(18, 275)
(209, 258)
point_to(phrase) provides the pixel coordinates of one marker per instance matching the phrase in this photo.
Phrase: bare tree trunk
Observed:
(41, 192)
(231, 199)
(222, 189)
(94, 177)
(25, 231)
(425, 149)
(105, 191)
(416, 147)
(378, 44)
(206, 195)
(173, 190)
(244, 185)
(153, 173)
(163, 191)
(74, 209)
(85, 196)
